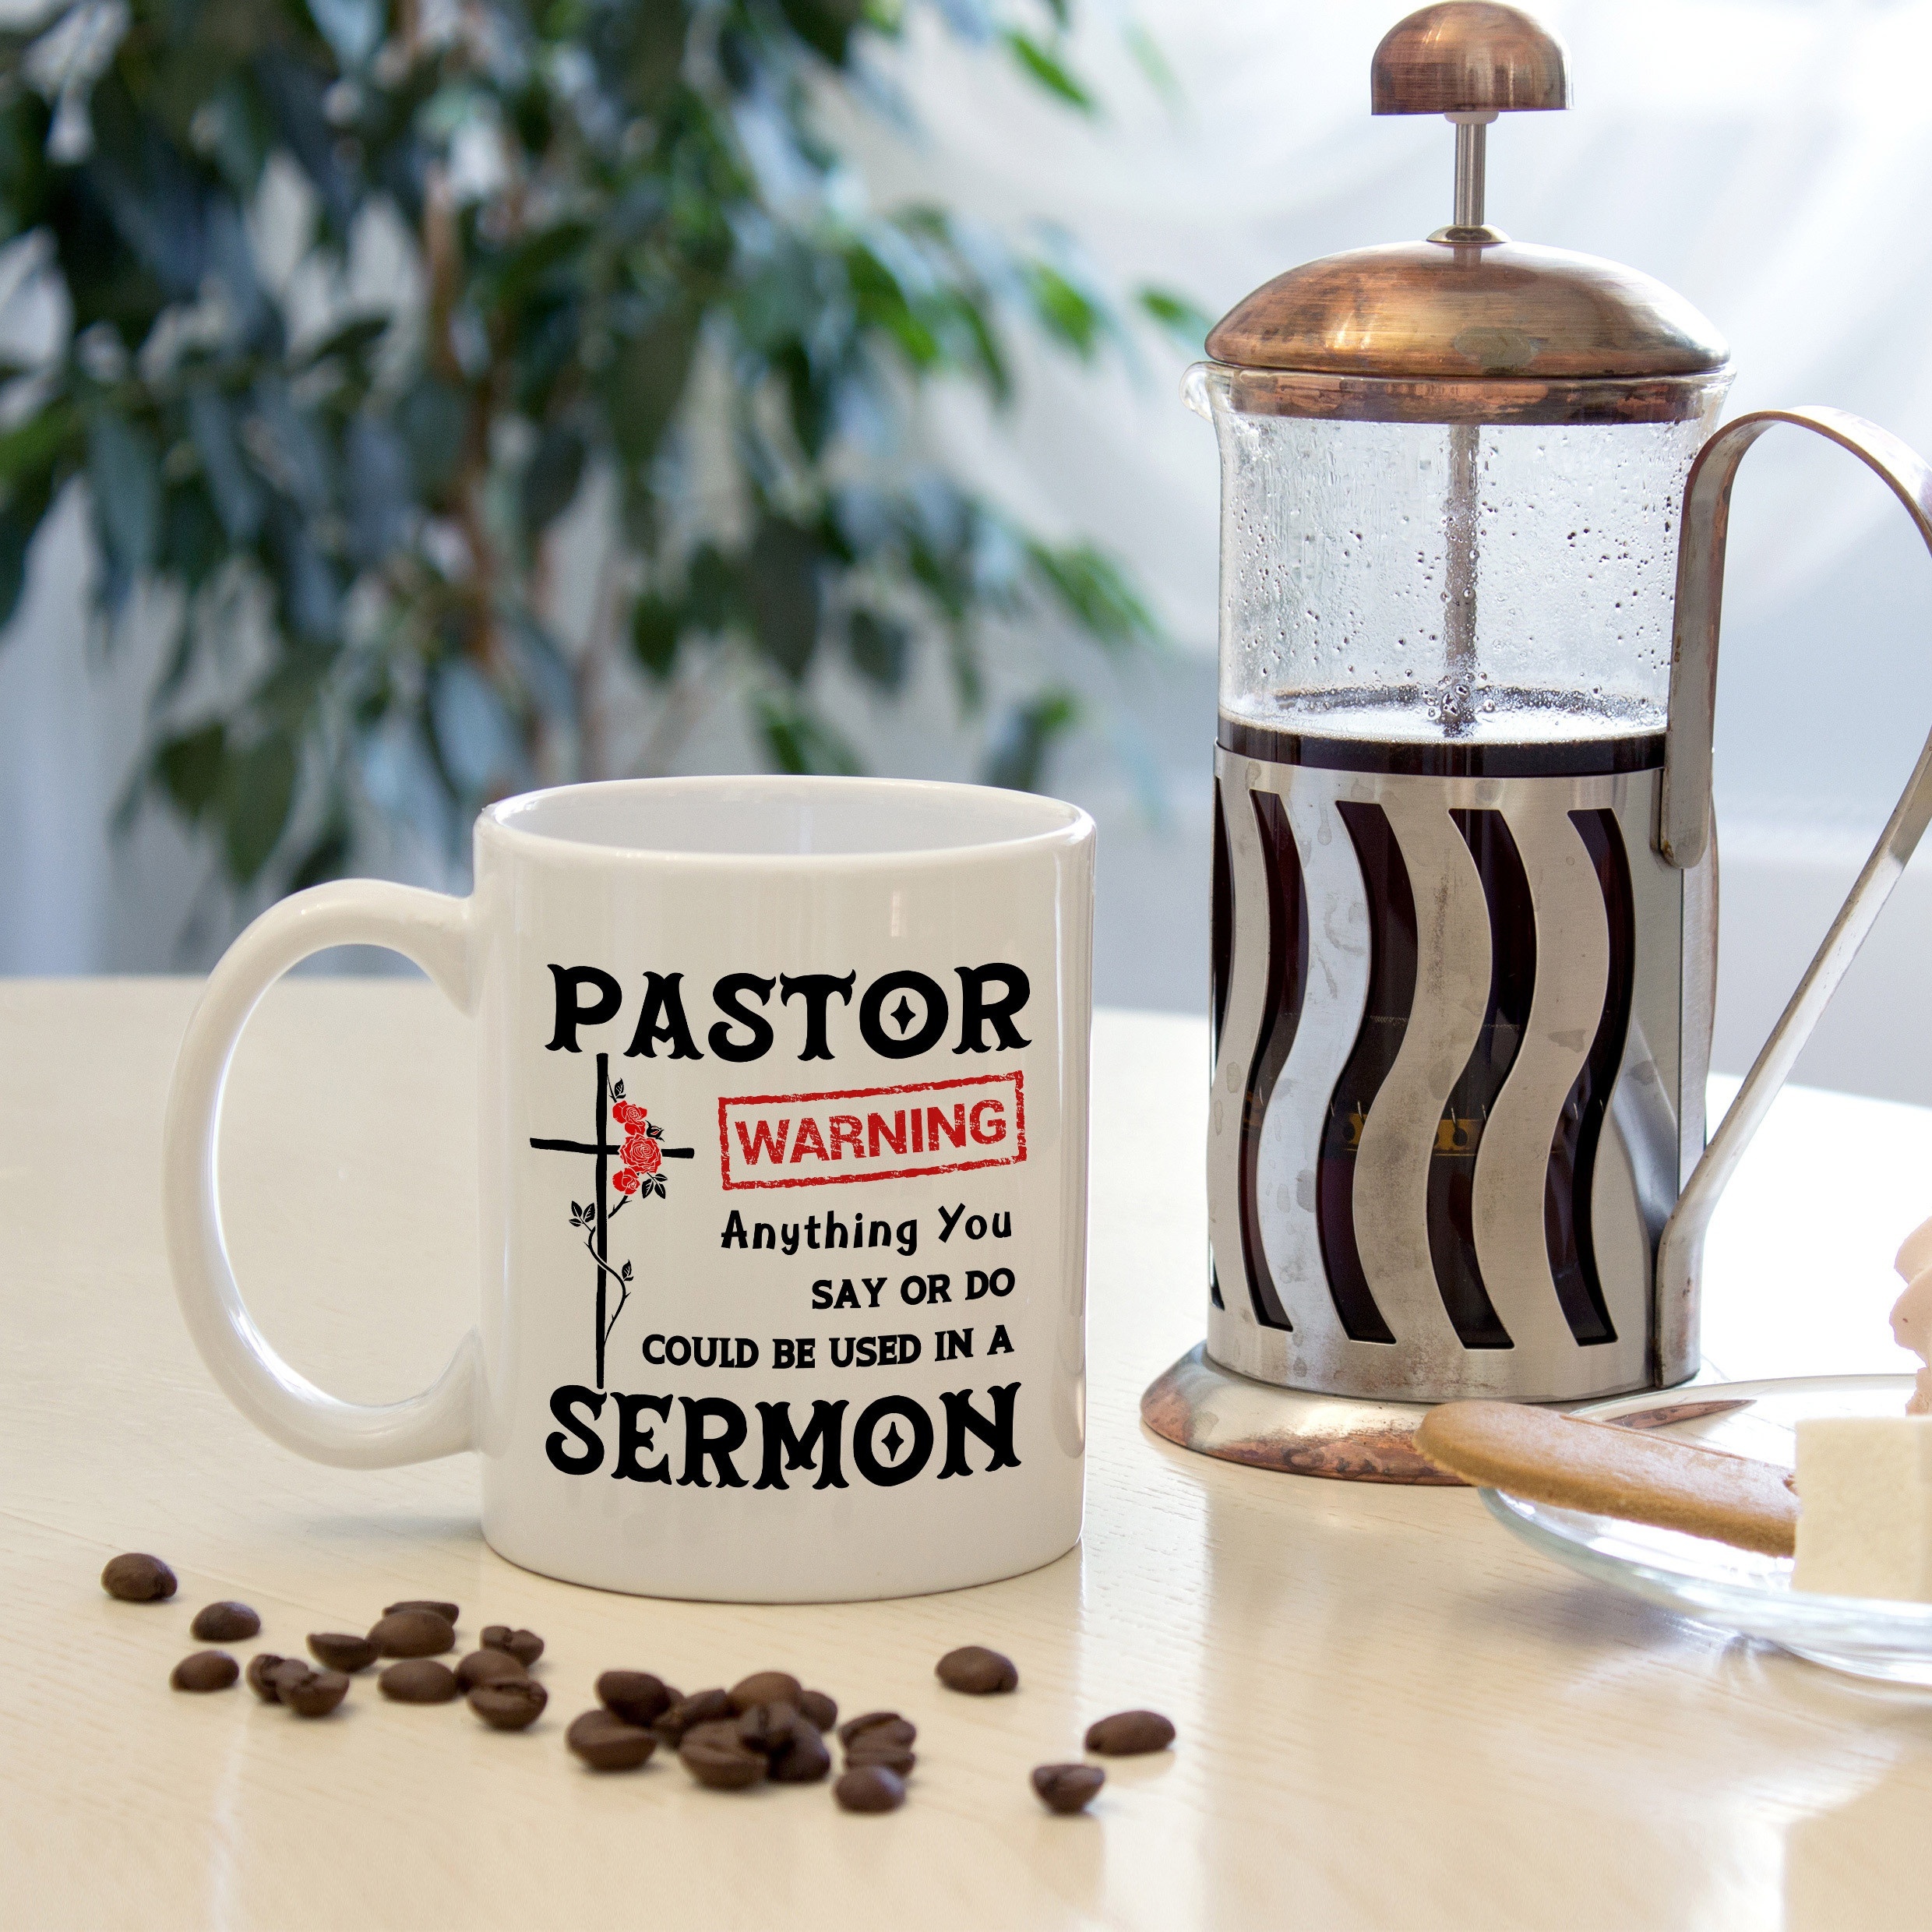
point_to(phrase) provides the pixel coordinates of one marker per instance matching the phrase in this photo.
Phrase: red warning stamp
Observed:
(875, 1133)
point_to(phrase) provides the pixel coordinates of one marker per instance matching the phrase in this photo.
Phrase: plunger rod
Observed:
(1472, 144)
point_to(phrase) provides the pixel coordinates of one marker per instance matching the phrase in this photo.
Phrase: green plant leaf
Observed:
(433, 419)
(190, 766)
(881, 649)
(1018, 755)
(800, 740)
(1043, 66)
(124, 476)
(825, 26)
(1095, 592)
(1065, 310)
(549, 482)
(238, 497)
(646, 383)
(656, 625)
(784, 573)
(255, 794)
(1184, 320)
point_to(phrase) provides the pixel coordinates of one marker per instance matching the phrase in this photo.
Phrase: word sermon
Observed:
(888, 1442)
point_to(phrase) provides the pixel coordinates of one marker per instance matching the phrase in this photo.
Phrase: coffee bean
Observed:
(803, 1760)
(435, 1607)
(224, 1623)
(635, 1696)
(899, 1730)
(701, 1707)
(135, 1578)
(978, 1672)
(206, 1670)
(871, 1788)
(489, 1666)
(315, 1693)
(262, 1668)
(767, 1727)
(872, 1750)
(1127, 1734)
(1067, 1788)
(526, 1646)
(420, 1680)
(606, 1742)
(336, 1651)
(766, 1687)
(413, 1633)
(287, 1671)
(818, 1710)
(510, 1704)
(713, 1755)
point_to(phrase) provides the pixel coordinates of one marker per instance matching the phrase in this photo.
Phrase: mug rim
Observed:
(1062, 823)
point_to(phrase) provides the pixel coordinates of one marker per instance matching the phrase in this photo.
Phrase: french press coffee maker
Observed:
(1464, 882)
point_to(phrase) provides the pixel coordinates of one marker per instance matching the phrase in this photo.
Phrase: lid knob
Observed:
(1469, 60)
(1469, 57)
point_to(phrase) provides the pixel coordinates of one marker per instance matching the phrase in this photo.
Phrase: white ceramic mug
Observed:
(782, 1116)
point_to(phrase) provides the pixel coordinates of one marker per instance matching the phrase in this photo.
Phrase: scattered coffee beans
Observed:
(635, 1696)
(262, 1668)
(488, 1666)
(701, 1707)
(978, 1672)
(871, 1788)
(446, 1611)
(803, 1759)
(766, 1687)
(135, 1578)
(224, 1623)
(420, 1681)
(206, 1670)
(413, 1631)
(818, 1710)
(606, 1742)
(526, 1646)
(767, 1727)
(335, 1650)
(287, 1670)
(510, 1704)
(874, 1750)
(713, 1756)
(315, 1693)
(897, 1730)
(1127, 1734)
(1067, 1788)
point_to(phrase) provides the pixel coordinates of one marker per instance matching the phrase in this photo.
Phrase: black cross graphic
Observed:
(600, 1145)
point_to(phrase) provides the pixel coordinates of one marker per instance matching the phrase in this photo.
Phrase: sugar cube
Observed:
(1864, 1487)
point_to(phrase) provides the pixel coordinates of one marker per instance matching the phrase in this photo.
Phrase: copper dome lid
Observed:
(1468, 305)
(1434, 308)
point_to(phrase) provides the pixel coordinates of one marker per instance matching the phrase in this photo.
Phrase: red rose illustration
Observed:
(627, 1114)
(634, 1146)
(625, 1179)
(647, 1159)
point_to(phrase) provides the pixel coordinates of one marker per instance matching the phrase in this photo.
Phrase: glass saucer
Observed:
(1737, 1589)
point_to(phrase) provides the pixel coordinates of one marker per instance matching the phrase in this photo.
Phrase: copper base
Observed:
(1202, 1406)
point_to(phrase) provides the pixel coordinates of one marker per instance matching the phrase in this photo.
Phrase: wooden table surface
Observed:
(1390, 1713)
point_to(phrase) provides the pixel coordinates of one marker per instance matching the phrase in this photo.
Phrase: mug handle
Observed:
(434, 931)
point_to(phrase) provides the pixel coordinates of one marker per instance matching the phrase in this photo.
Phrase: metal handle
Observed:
(1684, 817)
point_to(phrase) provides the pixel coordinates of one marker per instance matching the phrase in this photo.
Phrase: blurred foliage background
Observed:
(360, 300)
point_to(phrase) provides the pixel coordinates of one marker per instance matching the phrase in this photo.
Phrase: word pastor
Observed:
(900, 1015)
